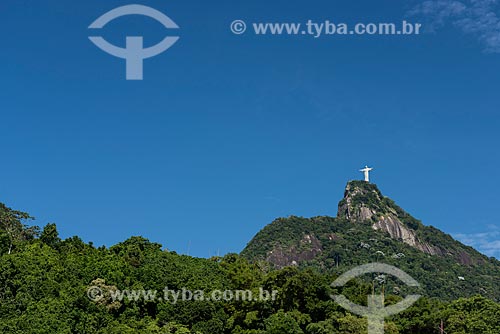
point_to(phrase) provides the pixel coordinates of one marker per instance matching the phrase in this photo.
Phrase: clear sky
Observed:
(228, 132)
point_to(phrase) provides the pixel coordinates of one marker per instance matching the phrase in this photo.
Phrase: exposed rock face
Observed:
(349, 210)
(397, 230)
(307, 250)
(363, 202)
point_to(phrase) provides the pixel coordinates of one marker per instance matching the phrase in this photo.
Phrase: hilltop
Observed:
(47, 284)
(370, 227)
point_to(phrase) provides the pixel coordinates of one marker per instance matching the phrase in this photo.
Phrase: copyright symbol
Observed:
(238, 27)
(94, 293)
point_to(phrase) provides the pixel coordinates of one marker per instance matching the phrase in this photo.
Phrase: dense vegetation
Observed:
(345, 245)
(44, 284)
(341, 243)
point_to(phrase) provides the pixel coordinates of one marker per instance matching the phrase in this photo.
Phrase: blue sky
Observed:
(228, 132)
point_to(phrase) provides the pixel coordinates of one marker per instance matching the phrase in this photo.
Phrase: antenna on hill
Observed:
(189, 247)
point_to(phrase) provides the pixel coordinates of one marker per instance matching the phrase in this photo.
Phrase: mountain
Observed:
(372, 228)
(51, 285)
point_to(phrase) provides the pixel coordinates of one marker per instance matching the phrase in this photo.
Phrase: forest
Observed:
(45, 282)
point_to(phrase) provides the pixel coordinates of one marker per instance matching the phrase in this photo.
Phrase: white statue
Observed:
(367, 171)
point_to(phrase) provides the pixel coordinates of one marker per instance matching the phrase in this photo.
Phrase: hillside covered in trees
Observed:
(372, 228)
(46, 282)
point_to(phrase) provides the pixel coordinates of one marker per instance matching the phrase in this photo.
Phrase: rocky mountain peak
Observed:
(371, 227)
(364, 203)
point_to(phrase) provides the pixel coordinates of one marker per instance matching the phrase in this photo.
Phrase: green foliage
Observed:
(50, 236)
(282, 322)
(13, 230)
(44, 283)
(343, 243)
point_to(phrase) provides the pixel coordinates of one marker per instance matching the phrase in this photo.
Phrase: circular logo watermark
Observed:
(134, 53)
(376, 311)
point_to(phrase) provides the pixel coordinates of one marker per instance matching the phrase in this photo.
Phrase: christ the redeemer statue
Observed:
(367, 171)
